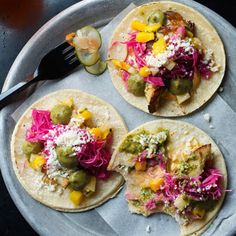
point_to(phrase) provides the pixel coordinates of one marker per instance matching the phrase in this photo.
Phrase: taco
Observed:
(165, 58)
(175, 168)
(61, 147)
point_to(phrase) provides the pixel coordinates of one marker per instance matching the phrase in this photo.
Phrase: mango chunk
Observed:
(159, 46)
(156, 183)
(76, 197)
(86, 114)
(143, 37)
(37, 161)
(140, 165)
(97, 132)
(152, 28)
(144, 71)
(121, 64)
(137, 25)
(105, 131)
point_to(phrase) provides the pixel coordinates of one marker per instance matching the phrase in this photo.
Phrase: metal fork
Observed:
(57, 63)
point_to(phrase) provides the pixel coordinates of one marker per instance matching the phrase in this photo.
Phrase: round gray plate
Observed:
(43, 219)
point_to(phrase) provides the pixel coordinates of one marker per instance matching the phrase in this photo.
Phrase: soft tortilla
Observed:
(179, 132)
(204, 31)
(31, 180)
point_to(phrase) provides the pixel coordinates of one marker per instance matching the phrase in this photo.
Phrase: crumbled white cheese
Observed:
(71, 138)
(215, 68)
(208, 54)
(77, 121)
(148, 229)
(157, 60)
(51, 187)
(173, 45)
(60, 191)
(221, 89)
(207, 117)
(159, 137)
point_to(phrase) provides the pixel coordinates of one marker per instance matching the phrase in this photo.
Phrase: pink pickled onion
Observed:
(181, 31)
(95, 157)
(141, 157)
(41, 124)
(125, 76)
(150, 204)
(157, 81)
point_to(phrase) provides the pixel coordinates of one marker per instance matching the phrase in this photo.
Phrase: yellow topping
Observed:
(144, 71)
(86, 114)
(137, 25)
(97, 132)
(156, 183)
(70, 37)
(152, 28)
(37, 162)
(140, 165)
(121, 64)
(199, 212)
(105, 131)
(159, 46)
(76, 197)
(101, 132)
(143, 37)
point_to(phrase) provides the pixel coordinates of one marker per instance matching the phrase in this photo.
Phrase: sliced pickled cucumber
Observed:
(97, 69)
(87, 58)
(92, 35)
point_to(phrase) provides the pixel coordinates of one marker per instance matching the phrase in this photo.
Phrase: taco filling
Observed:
(161, 58)
(69, 149)
(177, 179)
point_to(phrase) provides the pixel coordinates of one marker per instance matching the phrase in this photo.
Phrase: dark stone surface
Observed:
(13, 36)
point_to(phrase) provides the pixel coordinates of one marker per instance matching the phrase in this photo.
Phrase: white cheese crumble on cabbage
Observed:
(69, 136)
(173, 45)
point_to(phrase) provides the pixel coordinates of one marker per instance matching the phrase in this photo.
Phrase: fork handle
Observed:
(8, 96)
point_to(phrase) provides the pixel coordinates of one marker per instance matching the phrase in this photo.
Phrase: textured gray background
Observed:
(72, 21)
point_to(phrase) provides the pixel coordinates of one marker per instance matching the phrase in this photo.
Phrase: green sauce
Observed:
(131, 144)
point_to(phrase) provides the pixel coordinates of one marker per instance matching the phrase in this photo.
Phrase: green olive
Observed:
(61, 114)
(79, 179)
(31, 148)
(64, 158)
(156, 17)
(180, 86)
(136, 85)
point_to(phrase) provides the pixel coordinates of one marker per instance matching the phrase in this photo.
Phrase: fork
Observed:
(57, 63)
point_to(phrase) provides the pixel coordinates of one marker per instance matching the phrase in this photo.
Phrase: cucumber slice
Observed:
(87, 58)
(97, 69)
(92, 35)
